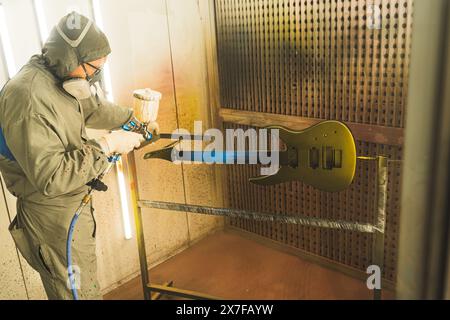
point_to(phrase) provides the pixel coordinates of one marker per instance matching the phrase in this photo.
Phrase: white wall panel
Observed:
(191, 81)
(3, 73)
(22, 25)
(137, 31)
(140, 58)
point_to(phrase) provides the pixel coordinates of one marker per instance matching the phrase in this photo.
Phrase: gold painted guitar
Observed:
(323, 156)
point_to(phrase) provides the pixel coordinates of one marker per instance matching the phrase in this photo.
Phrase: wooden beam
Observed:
(362, 132)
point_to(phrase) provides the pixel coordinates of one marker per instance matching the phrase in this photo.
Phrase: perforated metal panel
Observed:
(317, 58)
(342, 59)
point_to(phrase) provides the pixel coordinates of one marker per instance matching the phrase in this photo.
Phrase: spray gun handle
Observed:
(136, 126)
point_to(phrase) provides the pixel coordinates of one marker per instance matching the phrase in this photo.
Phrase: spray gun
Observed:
(136, 126)
(146, 107)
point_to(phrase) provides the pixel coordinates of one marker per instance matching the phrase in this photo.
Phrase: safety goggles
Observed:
(97, 69)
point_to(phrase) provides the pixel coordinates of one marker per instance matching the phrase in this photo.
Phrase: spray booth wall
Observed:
(157, 44)
(344, 60)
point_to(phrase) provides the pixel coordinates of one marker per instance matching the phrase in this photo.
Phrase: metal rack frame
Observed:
(154, 291)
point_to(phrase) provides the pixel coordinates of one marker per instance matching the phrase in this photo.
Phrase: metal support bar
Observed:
(380, 224)
(234, 213)
(132, 176)
(180, 292)
(378, 229)
(158, 295)
(165, 289)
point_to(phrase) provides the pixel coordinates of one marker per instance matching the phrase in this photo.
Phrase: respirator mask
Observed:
(82, 88)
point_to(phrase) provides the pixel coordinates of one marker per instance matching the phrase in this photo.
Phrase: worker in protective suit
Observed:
(47, 159)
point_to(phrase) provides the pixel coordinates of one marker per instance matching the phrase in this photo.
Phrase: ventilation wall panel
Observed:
(341, 60)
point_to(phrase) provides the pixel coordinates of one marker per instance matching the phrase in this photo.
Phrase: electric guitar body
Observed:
(322, 156)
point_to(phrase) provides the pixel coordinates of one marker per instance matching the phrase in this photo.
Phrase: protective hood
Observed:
(74, 40)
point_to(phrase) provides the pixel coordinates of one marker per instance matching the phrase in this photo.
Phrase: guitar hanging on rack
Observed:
(323, 156)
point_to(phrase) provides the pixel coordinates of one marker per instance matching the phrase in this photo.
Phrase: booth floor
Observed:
(230, 266)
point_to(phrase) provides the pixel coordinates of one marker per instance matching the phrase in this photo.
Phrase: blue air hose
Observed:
(84, 202)
(131, 126)
(69, 257)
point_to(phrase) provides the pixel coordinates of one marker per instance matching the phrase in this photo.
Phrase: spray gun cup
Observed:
(146, 104)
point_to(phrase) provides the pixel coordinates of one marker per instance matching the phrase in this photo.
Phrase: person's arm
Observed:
(104, 115)
(41, 154)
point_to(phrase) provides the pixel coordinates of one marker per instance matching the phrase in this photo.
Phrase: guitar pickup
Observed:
(314, 155)
(338, 158)
(293, 157)
(331, 158)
